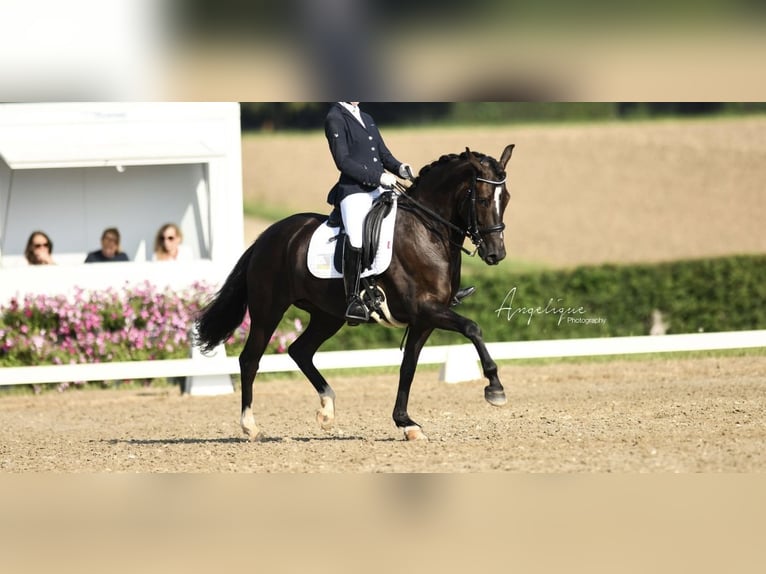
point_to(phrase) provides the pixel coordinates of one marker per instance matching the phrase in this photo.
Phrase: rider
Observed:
(362, 158)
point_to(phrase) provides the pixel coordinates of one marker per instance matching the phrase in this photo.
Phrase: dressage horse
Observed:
(455, 197)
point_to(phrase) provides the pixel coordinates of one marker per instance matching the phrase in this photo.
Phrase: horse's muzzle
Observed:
(492, 255)
(491, 245)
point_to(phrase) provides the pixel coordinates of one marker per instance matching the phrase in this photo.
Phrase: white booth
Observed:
(75, 169)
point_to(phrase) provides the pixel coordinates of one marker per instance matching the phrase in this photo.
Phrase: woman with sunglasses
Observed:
(168, 244)
(39, 249)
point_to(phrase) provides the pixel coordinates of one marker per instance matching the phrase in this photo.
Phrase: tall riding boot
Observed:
(462, 294)
(356, 312)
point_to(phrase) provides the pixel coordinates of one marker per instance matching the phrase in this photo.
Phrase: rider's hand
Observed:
(387, 180)
(405, 171)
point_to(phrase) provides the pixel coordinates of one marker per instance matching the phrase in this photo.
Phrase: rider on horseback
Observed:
(362, 158)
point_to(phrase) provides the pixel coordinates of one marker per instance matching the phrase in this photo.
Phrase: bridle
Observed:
(472, 231)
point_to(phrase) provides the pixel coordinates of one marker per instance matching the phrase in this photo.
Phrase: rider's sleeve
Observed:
(386, 157)
(368, 175)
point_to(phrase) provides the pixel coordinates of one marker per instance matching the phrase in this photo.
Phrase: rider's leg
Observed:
(356, 312)
(354, 209)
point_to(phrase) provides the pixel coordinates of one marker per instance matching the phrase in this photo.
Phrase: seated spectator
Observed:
(110, 248)
(168, 245)
(39, 249)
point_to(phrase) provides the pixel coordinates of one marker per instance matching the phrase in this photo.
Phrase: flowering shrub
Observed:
(135, 323)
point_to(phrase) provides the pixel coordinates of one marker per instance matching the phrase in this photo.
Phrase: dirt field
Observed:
(590, 193)
(658, 415)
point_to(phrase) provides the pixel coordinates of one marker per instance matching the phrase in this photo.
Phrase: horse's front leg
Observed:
(415, 340)
(494, 392)
(450, 321)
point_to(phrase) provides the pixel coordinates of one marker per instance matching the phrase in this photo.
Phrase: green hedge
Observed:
(725, 294)
(705, 295)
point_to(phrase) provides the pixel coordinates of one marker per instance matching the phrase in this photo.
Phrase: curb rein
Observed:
(473, 231)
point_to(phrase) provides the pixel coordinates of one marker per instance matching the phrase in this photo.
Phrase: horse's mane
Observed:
(454, 158)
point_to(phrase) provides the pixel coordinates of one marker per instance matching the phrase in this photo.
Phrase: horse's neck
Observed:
(441, 196)
(434, 199)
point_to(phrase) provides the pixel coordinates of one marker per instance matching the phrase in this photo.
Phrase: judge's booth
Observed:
(73, 170)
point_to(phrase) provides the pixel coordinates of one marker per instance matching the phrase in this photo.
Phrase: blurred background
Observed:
(297, 50)
(590, 182)
(280, 116)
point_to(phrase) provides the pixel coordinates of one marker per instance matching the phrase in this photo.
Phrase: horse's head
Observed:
(484, 208)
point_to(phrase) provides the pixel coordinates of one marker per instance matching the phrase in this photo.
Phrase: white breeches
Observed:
(353, 210)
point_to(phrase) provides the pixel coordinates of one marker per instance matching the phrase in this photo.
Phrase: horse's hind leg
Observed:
(261, 330)
(320, 328)
(414, 344)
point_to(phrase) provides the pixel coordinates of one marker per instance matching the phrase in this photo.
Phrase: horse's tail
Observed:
(224, 313)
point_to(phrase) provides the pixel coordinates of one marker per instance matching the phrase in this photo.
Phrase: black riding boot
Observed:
(356, 312)
(462, 294)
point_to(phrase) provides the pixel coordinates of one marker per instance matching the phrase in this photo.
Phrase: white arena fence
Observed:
(212, 375)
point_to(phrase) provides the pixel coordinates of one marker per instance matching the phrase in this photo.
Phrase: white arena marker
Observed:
(460, 365)
(209, 385)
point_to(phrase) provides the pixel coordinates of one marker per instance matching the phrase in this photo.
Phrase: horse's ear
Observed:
(473, 159)
(506, 154)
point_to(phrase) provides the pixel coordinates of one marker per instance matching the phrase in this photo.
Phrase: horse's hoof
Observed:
(325, 422)
(495, 398)
(259, 437)
(326, 415)
(254, 435)
(414, 433)
(247, 422)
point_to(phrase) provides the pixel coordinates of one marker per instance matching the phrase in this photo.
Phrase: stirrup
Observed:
(356, 312)
(462, 294)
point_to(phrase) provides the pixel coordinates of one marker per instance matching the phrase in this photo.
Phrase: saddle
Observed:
(325, 253)
(373, 224)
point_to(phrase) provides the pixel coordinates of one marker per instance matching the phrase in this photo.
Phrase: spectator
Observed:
(168, 245)
(39, 249)
(110, 248)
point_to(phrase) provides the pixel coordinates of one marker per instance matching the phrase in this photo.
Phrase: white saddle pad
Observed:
(322, 249)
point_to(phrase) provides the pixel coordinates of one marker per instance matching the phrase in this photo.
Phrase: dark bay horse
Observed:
(454, 197)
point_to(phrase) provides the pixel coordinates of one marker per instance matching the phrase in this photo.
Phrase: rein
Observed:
(473, 231)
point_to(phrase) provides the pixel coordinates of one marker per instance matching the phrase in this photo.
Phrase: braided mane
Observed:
(454, 157)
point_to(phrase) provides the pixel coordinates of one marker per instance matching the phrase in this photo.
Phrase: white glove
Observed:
(387, 180)
(405, 171)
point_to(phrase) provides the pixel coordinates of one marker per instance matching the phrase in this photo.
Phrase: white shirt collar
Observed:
(355, 111)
